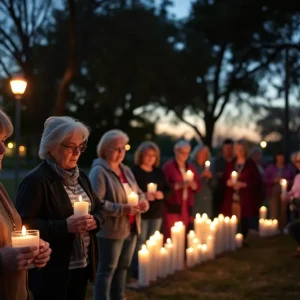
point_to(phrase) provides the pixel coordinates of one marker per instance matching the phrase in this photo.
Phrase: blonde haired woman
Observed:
(113, 181)
(14, 261)
(147, 170)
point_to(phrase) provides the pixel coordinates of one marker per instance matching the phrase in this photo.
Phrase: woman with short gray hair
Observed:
(45, 201)
(184, 181)
(114, 182)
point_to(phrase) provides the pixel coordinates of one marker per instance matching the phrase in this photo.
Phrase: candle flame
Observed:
(189, 172)
(169, 241)
(195, 241)
(144, 247)
(234, 174)
(157, 233)
(163, 250)
(207, 163)
(24, 230)
(283, 182)
(192, 233)
(190, 249)
(204, 216)
(198, 216)
(80, 198)
(275, 221)
(263, 208)
(239, 236)
(204, 247)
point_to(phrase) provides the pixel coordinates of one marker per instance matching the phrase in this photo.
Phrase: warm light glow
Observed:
(283, 182)
(198, 216)
(21, 148)
(144, 248)
(24, 230)
(10, 145)
(207, 164)
(163, 250)
(192, 233)
(169, 241)
(204, 247)
(127, 147)
(204, 216)
(80, 198)
(263, 144)
(234, 174)
(190, 250)
(189, 172)
(18, 86)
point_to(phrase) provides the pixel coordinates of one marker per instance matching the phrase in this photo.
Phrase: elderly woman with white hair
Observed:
(45, 202)
(184, 181)
(115, 182)
(204, 198)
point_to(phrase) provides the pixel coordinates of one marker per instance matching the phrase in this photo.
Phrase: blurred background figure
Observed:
(243, 197)
(218, 168)
(276, 171)
(203, 198)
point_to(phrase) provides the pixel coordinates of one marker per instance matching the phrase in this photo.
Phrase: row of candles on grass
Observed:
(266, 227)
(209, 239)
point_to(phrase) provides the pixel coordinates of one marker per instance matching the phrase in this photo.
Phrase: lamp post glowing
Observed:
(18, 87)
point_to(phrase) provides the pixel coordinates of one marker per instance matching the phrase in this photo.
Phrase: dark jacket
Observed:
(43, 204)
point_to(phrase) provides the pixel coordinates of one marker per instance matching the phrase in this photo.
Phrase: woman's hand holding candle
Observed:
(130, 209)
(193, 185)
(150, 196)
(44, 256)
(17, 259)
(79, 224)
(143, 205)
(159, 195)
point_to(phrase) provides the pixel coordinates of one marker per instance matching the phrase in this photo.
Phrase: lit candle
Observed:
(275, 226)
(210, 247)
(204, 253)
(151, 187)
(175, 236)
(283, 183)
(191, 235)
(159, 239)
(207, 165)
(261, 227)
(233, 232)
(151, 246)
(26, 238)
(81, 208)
(144, 266)
(226, 238)
(263, 212)
(163, 268)
(239, 240)
(190, 257)
(133, 199)
(189, 175)
(195, 243)
(198, 223)
(220, 248)
(234, 177)
(181, 245)
(198, 251)
(171, 260)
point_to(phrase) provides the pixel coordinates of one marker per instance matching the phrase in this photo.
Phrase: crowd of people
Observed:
(101, 246)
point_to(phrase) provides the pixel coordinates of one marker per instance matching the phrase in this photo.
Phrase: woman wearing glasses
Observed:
(45, 202)
(114, 181)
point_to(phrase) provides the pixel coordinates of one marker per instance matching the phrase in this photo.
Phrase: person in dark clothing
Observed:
(218, 170)
(148, 175)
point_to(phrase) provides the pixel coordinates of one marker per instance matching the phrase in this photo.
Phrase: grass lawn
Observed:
(266, 270)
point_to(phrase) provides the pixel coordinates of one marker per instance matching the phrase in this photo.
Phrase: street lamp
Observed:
(18, 87)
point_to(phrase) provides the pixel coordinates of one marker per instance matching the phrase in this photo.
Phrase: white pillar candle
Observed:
(163, 260)
(207, 165)
(204, 253)
(151, 245)
(189, 175)
(263, 212)
(275, 226)
(205, 216)
(261, 231)
(133, 198)
(239, 240)
(81, 208)
(151, 187)
(191, 235)
(233, 232)
(220, 234)
(199, 251)
(159, 239)
(181, 247)
(234, 177)
(283, 184)
(26, 238)
(227, 231)
(171, 262)
(190, 257)
(210, 247)
(195, 243)
(175, 236)
(144, 266)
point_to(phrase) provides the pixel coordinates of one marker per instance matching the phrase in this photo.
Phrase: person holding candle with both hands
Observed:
(243, 188)
(45, 201)
(184, 181)
(204, 198)
(115, 182)
(152, 182)
(14, 262)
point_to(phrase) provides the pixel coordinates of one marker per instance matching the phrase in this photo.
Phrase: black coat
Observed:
(43, 204)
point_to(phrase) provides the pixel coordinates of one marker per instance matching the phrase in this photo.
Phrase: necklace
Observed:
(72, 188)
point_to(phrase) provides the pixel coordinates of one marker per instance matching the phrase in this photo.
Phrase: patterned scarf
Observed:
(70, 178)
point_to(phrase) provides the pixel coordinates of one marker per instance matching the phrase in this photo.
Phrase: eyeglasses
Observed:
(73, 149)
(118, 149)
